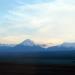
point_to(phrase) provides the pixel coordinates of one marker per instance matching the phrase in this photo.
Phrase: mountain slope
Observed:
(68, 45)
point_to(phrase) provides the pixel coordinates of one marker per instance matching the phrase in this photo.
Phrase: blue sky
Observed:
(40, 20)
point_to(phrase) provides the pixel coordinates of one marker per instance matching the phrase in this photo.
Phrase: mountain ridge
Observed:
(31, 43)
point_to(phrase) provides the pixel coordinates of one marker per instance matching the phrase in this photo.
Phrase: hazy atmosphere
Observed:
(40, 20)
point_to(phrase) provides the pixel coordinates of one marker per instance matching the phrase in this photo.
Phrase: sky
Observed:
(44, 21)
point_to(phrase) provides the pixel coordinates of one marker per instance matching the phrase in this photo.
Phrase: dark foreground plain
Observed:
(36, 69)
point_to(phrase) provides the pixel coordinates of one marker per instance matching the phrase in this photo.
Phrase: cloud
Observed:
(53, 20)
(13, 39)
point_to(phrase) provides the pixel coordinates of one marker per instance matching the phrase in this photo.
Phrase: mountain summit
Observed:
(28, 42)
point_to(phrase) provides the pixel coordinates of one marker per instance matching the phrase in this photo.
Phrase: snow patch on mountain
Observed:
(28, 42)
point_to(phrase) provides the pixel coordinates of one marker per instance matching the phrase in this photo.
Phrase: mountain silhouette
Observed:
(28, 50)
